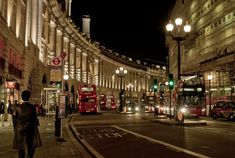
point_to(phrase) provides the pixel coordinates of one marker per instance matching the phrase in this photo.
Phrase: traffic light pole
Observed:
(170, 104)
(155, 104)
(171, 86)
(155, 87)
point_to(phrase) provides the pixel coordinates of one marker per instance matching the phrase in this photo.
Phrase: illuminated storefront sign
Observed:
(10, 84)
(199, 89)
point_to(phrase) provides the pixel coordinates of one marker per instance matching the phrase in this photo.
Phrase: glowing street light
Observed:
(121, 72)
(66, 77)
(178, 38)
(210, 77)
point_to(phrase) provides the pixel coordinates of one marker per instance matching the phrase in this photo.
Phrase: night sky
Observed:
(135, 29)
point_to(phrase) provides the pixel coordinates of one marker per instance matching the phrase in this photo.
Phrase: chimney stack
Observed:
(86, 25)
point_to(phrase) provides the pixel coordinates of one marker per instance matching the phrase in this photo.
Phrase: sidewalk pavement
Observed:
(51, 147)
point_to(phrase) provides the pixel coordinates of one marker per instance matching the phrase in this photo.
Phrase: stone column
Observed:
(96, 71)
(72, 61)
(78, 64)
(53, 40)
(84, 67)
(59, 42)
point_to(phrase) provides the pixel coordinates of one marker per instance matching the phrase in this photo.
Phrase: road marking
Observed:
(86, 144)
(164, 143)
(100, 132)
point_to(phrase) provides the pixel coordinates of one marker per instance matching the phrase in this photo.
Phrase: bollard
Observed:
(57, 122)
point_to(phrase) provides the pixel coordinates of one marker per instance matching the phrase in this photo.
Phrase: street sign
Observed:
(63, 55)
(10, 84)
(55, 75)
(56, 61)
(62, 106)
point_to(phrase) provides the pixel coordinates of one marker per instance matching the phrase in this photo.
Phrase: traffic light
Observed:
(171, 81)
(155, 85)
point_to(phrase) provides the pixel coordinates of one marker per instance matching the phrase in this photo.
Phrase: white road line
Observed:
(164, 143)
(86, 144)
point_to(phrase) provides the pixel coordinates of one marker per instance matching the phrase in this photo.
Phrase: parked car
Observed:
(224, 109)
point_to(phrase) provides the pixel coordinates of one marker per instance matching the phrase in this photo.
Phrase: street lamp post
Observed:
(209, 77)
(130, 87)
(121, 72)
(178, 38)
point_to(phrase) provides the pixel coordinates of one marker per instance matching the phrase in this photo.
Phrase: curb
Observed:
(88, 151)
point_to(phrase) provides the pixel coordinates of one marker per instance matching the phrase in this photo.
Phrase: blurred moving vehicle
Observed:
(224, 109)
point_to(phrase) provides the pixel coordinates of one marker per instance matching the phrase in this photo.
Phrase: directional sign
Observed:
(62, 105)
(56, 75)
(56, 61)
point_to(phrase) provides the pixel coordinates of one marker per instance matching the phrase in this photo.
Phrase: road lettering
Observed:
(100, 133)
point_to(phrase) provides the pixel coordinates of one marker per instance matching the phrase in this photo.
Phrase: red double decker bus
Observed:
(87, 99)
(188, 97)
(191, 95)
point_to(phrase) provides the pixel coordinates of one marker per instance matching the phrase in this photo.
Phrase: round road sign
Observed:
(63, 55)
(56, 61)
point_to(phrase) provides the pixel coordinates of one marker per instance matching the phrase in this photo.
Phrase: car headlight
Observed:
(129, 108)
(136, 109)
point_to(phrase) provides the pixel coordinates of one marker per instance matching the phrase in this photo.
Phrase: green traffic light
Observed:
(171, 81)
(58, 85)
(155, 86)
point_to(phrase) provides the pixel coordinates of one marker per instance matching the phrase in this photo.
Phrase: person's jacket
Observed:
(26, 125)
(26, 117)
(2, 108)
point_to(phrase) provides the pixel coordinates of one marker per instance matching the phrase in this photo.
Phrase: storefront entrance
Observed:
(50, 99)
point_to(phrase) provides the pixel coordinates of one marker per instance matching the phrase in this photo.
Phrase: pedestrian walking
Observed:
(2, 109)
(10, 112)
(14, 113)
(26, 129)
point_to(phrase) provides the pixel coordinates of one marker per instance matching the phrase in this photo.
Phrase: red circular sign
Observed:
(56, 61)
(63, 54)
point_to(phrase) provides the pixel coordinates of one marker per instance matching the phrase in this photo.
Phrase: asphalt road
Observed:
(112, 135)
